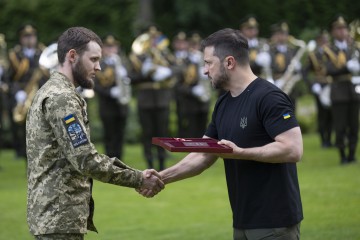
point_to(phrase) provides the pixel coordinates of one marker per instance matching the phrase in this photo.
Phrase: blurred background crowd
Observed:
(152, 84)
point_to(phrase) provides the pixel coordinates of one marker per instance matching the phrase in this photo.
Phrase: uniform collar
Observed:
(63, 79)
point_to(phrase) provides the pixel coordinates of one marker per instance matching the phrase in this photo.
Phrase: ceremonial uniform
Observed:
(315, 76)
(24, 76)
(113, 111)
(154, 84)
(345, 96)
(282, 52)
(192, 91)
(3, 85)
(258, 48)
(62, 162)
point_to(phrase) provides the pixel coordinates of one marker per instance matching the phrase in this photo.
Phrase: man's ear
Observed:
(230, 62)
(72, 55)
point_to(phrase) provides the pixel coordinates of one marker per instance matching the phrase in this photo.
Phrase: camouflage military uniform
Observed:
(62, 162)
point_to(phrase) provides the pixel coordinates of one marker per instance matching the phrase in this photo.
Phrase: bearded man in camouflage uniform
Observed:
(62, 161)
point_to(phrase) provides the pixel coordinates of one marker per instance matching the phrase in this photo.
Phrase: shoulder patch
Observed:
(286, 116)
(75, 131)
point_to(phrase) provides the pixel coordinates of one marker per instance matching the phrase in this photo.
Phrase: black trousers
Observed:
(114, 131)
(346, 123)
(154, 123)
(324, 123)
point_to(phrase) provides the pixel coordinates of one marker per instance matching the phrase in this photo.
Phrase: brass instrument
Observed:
(288, 80)
(355, 35)
(267, 71)
(355, 32)
(48, 61)
(123, 83)
(21, 109)
(152, 44)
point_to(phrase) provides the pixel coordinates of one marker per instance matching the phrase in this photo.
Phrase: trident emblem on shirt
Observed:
(243, 122)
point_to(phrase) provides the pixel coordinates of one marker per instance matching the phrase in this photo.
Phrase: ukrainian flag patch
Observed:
(286, 116)
(69, 119)
(75, 131)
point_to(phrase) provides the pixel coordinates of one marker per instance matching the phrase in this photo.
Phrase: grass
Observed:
(198, 208)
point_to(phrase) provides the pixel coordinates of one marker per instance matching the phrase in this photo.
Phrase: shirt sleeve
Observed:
(277, 113)
(64, 114)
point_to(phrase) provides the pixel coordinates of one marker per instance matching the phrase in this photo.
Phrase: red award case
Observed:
(208, 145)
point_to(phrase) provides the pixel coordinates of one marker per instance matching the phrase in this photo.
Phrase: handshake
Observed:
(152, 183)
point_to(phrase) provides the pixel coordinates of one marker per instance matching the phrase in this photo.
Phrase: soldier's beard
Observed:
(80, 76)
(221, 81)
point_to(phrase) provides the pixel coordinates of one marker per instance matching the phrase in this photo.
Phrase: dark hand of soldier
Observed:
(152, 183)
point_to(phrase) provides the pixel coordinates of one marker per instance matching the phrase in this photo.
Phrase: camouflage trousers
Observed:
(61, 236)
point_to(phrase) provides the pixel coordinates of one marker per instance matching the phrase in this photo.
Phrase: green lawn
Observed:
(198, 208)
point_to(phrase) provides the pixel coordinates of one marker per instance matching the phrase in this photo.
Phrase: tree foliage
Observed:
(203, 16)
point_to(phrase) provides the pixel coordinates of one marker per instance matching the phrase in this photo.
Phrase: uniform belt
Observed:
(157, 85)
(342, 78)
(323, 79)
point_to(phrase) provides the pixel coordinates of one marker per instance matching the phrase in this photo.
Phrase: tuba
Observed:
(288, 80)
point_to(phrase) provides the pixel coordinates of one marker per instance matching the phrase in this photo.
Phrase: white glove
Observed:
(161, 73)
(147, 66)
(20, 96)
(316, 88)
(353, 66)
(198, 90)
(115, 92)
(195, 57)
(297, 66)
(121, 72)
(263, 59)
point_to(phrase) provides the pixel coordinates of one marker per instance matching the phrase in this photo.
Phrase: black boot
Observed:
(351, 157)
(343, 158)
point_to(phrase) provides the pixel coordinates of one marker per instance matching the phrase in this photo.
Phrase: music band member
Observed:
(113, 97)
(25, 77)
(345, 98)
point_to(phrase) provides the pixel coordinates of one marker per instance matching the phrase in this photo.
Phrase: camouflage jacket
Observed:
(62, 162)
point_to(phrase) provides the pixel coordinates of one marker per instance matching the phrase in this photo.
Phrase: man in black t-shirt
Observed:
(257, 121)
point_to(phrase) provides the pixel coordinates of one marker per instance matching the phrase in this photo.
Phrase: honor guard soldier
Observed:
(25, 76)
(193, 90)
(112, 86)
(259, 55)
(315, 75)
(345, 95)
(3, 85)
(285, 62)
(153, 62)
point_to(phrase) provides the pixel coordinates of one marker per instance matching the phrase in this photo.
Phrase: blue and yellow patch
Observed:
(75, 131)
(286, 116)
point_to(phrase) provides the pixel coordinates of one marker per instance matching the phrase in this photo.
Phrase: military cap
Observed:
(249, 22)
(195, 38)
(339, 22)
(27, 29)
(180, 36)
(281, 27)
(110, 40)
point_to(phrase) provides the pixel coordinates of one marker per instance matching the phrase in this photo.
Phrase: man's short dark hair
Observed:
(75, 38)
(228, 42)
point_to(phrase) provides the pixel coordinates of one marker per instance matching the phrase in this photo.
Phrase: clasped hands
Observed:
(151, 184)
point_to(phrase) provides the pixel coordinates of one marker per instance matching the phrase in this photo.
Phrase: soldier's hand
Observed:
(152, 183)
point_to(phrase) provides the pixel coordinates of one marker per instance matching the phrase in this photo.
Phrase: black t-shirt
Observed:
(262, 195)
